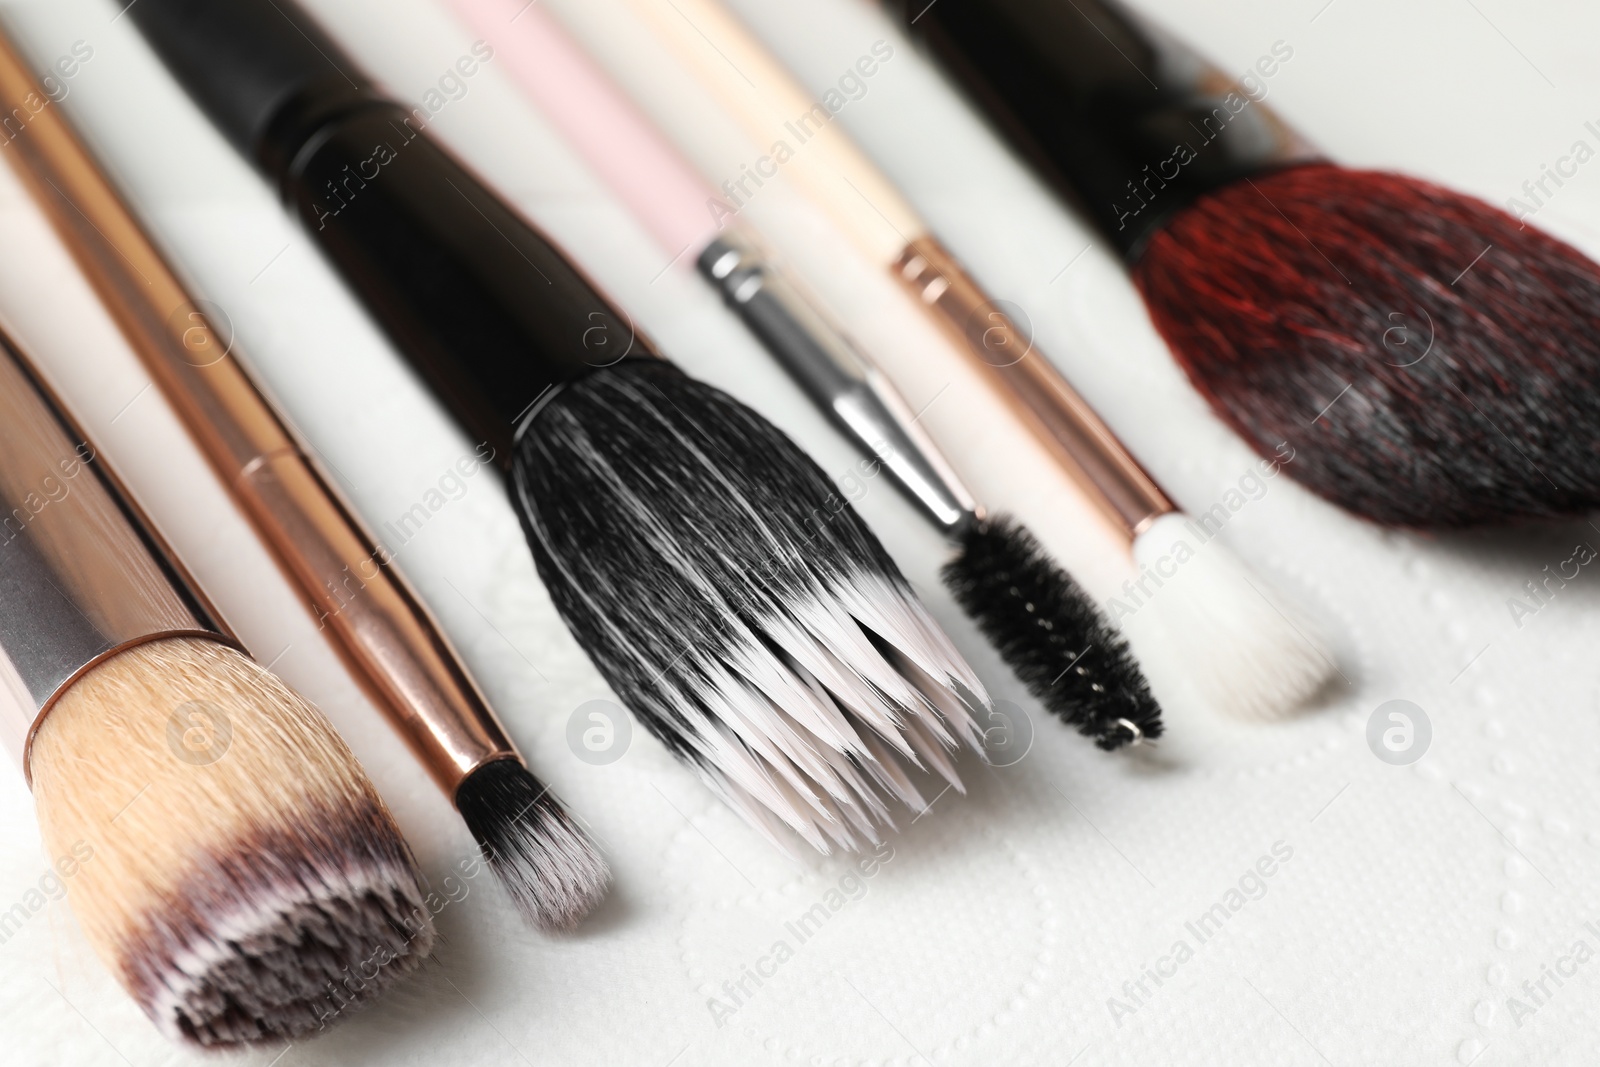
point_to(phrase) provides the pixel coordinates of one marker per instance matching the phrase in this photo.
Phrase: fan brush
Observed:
(1430, 359)
(1044, 625)
(704, 563)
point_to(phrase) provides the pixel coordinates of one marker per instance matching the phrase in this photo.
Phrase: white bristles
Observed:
(834, 790)
(1246, 652)
(739, 607)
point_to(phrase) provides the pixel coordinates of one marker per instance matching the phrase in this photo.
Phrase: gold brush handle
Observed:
(1040, 396)
(386, 636)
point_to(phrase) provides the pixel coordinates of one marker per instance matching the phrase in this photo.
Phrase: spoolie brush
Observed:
(1045, 626)
(728, 596)
(1228, 628)
(388, 639)
(1042, 622)
(230, 862)
(1430, 359)
(1052, 634)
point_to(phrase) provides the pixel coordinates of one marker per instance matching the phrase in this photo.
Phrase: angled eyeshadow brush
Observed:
(1431, 359)
(1213, 623)
(732, 600)
(224, 853)
(382, 630)
(1044, 624)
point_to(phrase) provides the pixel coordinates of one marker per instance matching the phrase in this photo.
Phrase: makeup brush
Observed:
(726, 593)
(1045, 626)
(1216, 625)
(348, 579)
(229, 860)
(1430, 358)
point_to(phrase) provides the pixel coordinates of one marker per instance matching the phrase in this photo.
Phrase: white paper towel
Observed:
(1405, 907)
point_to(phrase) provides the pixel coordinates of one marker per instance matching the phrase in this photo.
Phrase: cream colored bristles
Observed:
(245, 883)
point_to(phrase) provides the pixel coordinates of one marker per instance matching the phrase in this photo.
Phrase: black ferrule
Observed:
(1130, 126)
(480, 302)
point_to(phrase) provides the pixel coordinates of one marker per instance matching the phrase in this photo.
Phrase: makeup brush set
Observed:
(721, 583)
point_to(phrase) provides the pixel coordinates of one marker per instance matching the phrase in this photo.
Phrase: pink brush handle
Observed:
(647, 173)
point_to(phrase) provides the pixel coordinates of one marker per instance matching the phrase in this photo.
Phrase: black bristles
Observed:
(1051, 634)
(733, 600)
(1412, 354)
(546, 862)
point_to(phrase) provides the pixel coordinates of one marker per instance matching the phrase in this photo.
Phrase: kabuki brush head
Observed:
(253, 897)
(233, 866)
(721, 586)
(1430, 360)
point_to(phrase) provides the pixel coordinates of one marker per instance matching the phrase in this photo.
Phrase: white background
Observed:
(1416, 900)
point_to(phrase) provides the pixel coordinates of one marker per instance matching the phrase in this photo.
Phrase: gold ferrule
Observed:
(985, 332)
(83, 575)
(386, 637)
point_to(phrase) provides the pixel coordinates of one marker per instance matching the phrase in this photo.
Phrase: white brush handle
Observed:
(774, 109)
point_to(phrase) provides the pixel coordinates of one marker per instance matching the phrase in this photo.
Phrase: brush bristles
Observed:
(1051, 634)
(1225, 631)
(738, 605)
(548, 865)
(244, 882)
(1425, 359)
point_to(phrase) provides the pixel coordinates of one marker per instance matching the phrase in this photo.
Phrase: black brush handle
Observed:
(1126, 122)
(482, 304)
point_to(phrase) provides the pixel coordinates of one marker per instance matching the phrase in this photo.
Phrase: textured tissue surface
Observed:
(1300, 900)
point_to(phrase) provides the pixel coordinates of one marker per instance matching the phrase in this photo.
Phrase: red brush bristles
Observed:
(1432, 362)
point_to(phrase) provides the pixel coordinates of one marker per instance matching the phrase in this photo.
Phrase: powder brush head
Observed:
(737, 603)
(246, 884)
(1051, 634)
(543, 858)
(1431, 361)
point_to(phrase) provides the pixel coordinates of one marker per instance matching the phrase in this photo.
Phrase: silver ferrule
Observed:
(82, 576)
(838, 378)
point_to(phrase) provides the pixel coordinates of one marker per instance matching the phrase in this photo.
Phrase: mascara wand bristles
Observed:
(1051, 634)
(737, 604)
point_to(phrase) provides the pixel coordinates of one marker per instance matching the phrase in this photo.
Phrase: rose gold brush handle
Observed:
(383, 632)
(1052, 409)
(760, 94)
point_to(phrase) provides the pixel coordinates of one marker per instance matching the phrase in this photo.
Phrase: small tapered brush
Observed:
(1210, 622)
(1430, 358)
(727, 594)
(1046, 628)
(385, 634)
(231, 864)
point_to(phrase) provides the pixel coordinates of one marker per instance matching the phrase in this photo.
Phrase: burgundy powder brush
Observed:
(1430, 359)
